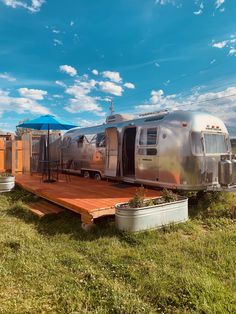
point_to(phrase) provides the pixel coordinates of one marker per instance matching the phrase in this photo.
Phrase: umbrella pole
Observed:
(48, 163)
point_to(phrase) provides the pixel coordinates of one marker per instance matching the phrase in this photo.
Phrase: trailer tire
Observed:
(97, 176)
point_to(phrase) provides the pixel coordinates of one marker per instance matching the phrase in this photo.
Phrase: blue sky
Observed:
(70, 58)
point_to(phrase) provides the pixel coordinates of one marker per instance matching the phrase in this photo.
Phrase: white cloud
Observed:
(57, 96)
(68, 69)
(60, 83)
(81, 101)
(55, 31)
(129, 85)
(83, 123)
(230, 44)
(113, 76)
(32, 6)
(211, 102)
(232, 51)
(219, 3)
(36, 94)
(95, 72)
(84, 103)
(20, 104)
(199, 12)
(7, 76)
(57, 42)
(164, 2)
(220, 44)
(111, 88)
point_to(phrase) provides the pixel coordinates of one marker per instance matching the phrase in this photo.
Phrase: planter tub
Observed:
(151, 217)
(7, 183)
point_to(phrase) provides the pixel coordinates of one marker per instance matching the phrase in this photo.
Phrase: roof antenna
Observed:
(112, 107)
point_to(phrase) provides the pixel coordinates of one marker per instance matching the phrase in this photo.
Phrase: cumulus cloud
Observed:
(81, 97)
(36, 94)
(110, 88)
(32, 6)
(129, 85)
(68, 70)
(81, 100)
(7, 76)
(113, 76)
(95, 72)
(211, 102)
(20, 104)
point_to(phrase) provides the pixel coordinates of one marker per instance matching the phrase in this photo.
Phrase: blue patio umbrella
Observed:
(47, 122)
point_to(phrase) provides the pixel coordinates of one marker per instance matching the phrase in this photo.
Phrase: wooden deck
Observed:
(44, 208)
(90, 198)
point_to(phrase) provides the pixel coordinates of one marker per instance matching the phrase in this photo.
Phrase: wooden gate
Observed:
(10, 155)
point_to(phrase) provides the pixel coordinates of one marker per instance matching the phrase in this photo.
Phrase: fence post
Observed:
(2, 154)
(13, 155)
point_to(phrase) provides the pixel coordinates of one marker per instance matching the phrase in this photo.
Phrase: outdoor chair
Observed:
(63, 168)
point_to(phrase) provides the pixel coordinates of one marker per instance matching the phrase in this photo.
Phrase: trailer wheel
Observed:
(86, 174)
(97, 176)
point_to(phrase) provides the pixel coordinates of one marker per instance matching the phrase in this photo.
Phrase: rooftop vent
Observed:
(116, 118)
(154, 113)
(155, 118)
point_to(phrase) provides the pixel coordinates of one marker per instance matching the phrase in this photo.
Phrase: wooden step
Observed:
(43, 208)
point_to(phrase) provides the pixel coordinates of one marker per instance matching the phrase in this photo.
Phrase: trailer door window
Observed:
(148, 137)
(215, 143)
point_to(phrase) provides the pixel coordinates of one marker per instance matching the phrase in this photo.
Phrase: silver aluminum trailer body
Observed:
(180, 149)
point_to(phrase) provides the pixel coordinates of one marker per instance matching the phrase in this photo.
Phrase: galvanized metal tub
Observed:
(7, 183)
(151, 217)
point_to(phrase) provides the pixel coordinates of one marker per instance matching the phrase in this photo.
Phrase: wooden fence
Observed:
(10, 155)
(18, 156)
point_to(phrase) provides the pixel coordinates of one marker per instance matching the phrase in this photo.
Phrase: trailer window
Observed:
(148, 137)
(215, 143)
(100, 140)
(80, 140)
(197, 144)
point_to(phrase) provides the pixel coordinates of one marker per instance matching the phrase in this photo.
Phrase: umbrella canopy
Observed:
(47, 122)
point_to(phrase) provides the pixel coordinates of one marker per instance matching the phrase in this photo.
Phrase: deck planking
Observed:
(90, 198)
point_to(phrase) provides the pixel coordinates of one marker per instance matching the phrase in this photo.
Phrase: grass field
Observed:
(53, 266)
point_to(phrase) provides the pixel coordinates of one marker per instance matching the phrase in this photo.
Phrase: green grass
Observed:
(53, 266)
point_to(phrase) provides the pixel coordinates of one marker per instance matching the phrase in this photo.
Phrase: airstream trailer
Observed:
(179, 149)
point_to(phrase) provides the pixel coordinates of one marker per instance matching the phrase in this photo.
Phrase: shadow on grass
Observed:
(66, 222)
(70, 223)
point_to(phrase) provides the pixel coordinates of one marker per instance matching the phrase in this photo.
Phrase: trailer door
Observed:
(112, 148)
(147, 153)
